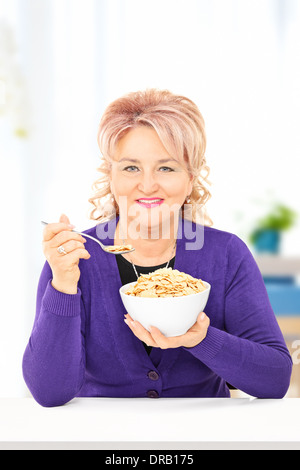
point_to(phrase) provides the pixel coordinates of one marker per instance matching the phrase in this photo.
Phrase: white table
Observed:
(189, 423)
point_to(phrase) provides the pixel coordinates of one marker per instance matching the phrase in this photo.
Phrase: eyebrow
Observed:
(134, 160)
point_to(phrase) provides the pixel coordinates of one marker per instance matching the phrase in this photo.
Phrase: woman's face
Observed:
(148, 184)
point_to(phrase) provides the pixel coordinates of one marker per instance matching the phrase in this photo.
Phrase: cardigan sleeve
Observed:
(250, 353)
(54, 359)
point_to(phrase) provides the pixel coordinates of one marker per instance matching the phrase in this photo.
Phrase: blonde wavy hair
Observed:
(181, 129)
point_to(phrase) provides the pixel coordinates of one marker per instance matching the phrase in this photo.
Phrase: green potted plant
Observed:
(266, 236)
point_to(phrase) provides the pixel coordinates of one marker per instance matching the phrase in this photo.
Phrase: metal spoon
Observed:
(107, 249)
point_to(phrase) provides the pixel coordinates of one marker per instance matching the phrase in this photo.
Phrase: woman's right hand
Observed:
(64, 268)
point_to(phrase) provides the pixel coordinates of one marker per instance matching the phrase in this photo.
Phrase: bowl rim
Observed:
(208, 288)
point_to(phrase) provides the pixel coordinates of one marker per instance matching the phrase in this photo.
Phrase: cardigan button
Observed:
(153, 375)
(152, 394)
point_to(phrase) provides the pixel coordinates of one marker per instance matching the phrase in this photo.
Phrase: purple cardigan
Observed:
(81, 347)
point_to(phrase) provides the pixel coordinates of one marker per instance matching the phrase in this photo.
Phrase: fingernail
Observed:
(129, 323)
(71, 226)
(202, 316)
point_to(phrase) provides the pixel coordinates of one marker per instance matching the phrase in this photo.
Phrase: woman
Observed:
(152, 195)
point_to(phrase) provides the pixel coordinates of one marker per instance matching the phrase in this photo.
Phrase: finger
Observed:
(201, 323)
(203, 320)
(53, 229)
(65, 236)
(72, 245)
(162, 341)
(128, 317)
(140, 332)
(64, 219)
(72, 258)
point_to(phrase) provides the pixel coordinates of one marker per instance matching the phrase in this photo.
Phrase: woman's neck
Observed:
(148, 251)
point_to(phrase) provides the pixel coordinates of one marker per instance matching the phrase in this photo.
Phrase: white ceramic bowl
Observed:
(173, 316)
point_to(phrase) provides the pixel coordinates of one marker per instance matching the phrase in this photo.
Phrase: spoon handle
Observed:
(104, 248)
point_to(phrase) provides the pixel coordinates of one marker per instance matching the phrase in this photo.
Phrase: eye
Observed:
(131, 169)
(166, 169)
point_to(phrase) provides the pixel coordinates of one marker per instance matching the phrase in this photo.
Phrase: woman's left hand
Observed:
(156, 339)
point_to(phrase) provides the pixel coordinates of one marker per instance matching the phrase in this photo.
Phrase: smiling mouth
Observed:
(149, 201)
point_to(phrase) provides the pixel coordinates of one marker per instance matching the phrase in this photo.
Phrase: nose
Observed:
(148, 184)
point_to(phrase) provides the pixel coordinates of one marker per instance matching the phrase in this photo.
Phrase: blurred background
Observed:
(63, 61)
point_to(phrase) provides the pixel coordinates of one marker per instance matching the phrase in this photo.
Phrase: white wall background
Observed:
(239, 60)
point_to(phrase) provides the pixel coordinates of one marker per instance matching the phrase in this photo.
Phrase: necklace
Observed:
(133, 265)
